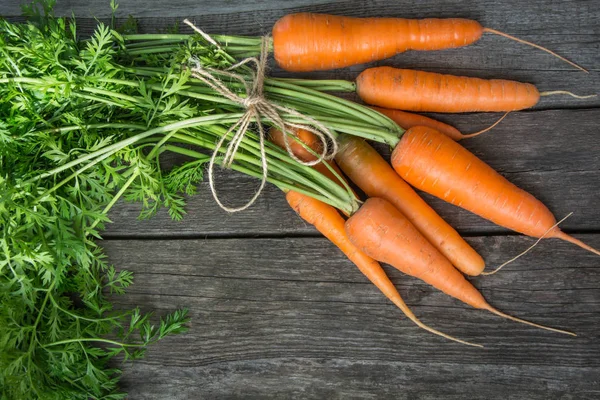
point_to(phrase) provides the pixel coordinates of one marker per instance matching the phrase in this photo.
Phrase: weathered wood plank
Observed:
(543, 16)
(552, 154)
(182, 8)
(291, 318)
(341, 378)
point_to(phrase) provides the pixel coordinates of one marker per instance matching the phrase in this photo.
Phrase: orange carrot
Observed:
(434, 163)
(407, 120)
(308, 42)
(412, 90)
(331, 224)
(311, 141)
(308, 138)
(367, 169)
(381, 231)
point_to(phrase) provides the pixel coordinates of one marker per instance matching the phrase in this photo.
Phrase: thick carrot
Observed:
(381, 231)
(331, 224)
(407, 120)
(308, 42)
(412, 90)
(367, 169)
(434, 163)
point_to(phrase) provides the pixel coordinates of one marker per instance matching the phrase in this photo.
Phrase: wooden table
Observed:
(278, 312)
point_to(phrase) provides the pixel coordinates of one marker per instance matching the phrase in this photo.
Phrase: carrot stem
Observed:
(336, 85)
(254, 173)
(282, 164)
(314, 89)
(222, 39)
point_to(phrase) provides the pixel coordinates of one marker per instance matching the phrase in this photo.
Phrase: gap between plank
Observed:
(298, 235)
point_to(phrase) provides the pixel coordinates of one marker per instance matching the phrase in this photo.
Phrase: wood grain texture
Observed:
(291, 318)
(552, 154)
(342, 378)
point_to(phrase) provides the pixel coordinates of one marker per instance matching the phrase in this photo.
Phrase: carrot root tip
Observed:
(472, 135)
(577, 96)
(436, 332)
(528, 249)
(510, 317)
(537, 46)
(399, 302)
(569, 238)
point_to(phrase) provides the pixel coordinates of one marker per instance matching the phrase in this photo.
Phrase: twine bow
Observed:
(257, 108)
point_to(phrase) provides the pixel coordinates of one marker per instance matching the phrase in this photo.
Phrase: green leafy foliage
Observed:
(62, 101)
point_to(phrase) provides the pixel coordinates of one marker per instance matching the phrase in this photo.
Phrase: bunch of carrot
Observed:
(83, 123)
(395, 225)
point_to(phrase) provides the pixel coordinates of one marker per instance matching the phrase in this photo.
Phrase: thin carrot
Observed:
(331, 224)
(312, 142)
(308, 42)
(381, 231)
(407, 120)
(432, 162)
(367, 169)
(412, 90)
(308, 138)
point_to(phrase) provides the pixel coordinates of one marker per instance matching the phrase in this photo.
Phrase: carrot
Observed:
(412, 90)
(308, 138)
(311, 141)
(434, 163)
(331, 224)
(381, 231)
(308, 42)
(367, 169)
(407, 120)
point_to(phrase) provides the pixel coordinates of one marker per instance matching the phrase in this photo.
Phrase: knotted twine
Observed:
(257, 107)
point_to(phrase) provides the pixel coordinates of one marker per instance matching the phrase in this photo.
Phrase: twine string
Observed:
(258, 108)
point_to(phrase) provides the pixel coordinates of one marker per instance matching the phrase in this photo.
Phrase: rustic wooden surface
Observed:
(279, 313)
